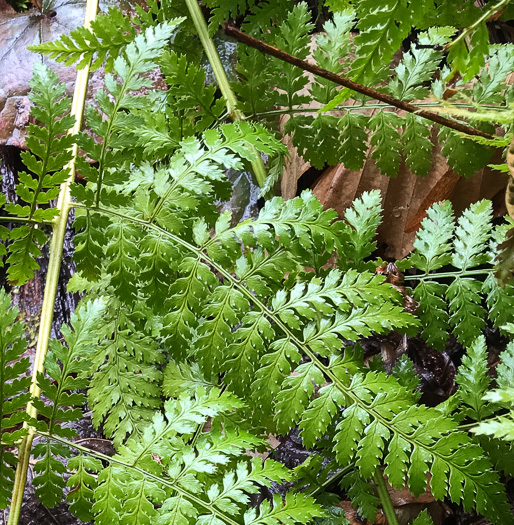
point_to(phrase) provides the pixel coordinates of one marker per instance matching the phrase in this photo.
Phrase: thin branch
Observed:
(346, 82)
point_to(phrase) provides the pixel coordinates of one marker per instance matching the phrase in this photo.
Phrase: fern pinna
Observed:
(196, 334)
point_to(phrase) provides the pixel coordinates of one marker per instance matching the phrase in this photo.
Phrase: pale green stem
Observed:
(485, 16)
(24, 220)
(385, 498)
(223, 82)
(433, 276)
(52, 280)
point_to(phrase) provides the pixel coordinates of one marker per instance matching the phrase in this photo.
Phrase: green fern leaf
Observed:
(432, 243)
(48, 156)
(332, 44)
(499, 300)
(362, 495)
(185, 493)
(417, 67)
(469, 58)
(473, 382)
(423, 518)
(433, 313)
(417, 145)
(295, 394)
(386, 140)
(49, 481)
(124, 391)
(472, 232)
(116, 130)
(109, 34)
(363, 219)
(404, 371)
(293, 38)
(467, 315)
(82, 484)
(463, 155)
(183, 377)
(188, 92)
(65, 367)
(500, 427)
(505, 369)
(492, 78)
(381, 31)
(354, 137)
(297, 508)
(13, 392)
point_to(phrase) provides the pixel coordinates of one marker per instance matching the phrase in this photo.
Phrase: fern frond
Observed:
(458, 305)
(505, 369)
(49, 154)
(362, 495)
(418, 441)
(13, 392)
(417, 145)
(124, 391)
(433, 313)
(363, 219)
(106, 39)
(423, 519)
(381, 31)
(188, 91)
(354, 140)
(386, 140)
(293, 38)
(185, 493)
(492, 78)
(66, 368)
(432, 242)
(463, 155)
(417, 67)
(500, 427)
(82, 484)
(472, 232)
(473, 382)
(138, 58)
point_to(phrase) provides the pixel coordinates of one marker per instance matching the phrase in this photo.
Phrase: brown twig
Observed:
(346, 82)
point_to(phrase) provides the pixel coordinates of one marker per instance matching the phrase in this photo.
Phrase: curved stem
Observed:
(385, 499)
(52, 280)
(223, 82)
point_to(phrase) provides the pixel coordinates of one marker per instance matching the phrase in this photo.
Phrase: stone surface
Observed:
(19, 30)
